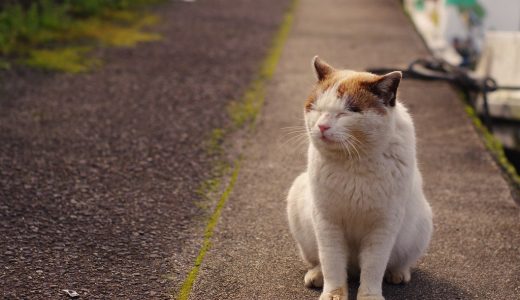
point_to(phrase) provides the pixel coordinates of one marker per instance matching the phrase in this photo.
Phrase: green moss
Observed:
(271, 61)
(214, 144)
(495, 147)
(211, 186)
(249, 106)
(72, 59)
(246, 110)
(108, 33)
(205, 190)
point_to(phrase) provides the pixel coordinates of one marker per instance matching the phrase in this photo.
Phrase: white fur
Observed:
(360, 204)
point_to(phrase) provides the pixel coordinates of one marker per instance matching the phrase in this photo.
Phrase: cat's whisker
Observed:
(351, 146)
(291, 128)
(292, 141)
(299, 144)
(345, 150)
(295, 140)
(296, 131)
(293, 134)
(356, 141)
(345, 146)
(355, 149)
(351, 136)
(342, 147)
(353, 141)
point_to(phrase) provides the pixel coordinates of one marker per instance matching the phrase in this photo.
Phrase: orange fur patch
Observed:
(356, 87)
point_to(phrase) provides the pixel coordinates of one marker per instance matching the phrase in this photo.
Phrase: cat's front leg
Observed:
(333, 259)
(374, 255)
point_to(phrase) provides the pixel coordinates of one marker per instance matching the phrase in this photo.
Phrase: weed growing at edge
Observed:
(35, 34)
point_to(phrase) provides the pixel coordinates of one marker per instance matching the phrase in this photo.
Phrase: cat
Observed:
(359, 209)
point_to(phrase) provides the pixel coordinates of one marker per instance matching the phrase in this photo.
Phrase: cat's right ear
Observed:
(321, 68)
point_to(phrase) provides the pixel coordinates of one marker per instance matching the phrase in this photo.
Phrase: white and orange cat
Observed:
(359, 209)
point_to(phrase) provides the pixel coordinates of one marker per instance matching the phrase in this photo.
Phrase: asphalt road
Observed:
(99, 171)
(475, 251)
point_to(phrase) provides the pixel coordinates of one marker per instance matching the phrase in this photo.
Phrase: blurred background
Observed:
(483, 36)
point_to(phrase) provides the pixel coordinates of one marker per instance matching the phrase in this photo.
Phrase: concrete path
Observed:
(475, 251)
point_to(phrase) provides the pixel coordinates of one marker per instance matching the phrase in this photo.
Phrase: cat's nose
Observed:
(323, 127)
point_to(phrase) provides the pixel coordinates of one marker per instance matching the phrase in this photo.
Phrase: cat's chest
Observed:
(351, 185)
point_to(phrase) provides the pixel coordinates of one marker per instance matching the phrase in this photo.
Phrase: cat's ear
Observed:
(386, 87)
(321, 68)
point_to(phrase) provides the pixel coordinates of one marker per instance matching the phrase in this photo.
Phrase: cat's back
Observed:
(404, 127)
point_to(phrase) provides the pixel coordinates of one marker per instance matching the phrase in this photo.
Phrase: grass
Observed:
(69, 59)
(59, 35)
(112, 34)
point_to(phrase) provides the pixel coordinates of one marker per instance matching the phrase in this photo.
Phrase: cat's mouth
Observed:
(327, 140)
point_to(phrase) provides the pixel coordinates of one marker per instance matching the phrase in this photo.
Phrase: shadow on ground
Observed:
(424, 286)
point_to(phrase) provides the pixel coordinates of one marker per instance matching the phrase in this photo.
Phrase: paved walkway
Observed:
(475, 251)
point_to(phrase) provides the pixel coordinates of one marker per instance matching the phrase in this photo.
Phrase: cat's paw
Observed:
(337, 294)
(398, 276)
(370, 297)
(314, 278)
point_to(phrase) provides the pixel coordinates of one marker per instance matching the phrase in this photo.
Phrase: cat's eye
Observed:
(354, 108)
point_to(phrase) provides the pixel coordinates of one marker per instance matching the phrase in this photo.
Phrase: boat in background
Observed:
(500, 60)
(483, 36)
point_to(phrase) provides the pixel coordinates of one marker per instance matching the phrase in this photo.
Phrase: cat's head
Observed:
(350, 112)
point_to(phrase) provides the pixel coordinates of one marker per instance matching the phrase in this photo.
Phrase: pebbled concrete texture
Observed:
(475, 251)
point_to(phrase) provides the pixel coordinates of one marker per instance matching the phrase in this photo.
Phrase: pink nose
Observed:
(323, 127)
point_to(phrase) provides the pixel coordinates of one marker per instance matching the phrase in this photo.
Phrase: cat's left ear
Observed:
(386, 87)
(322, 69)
